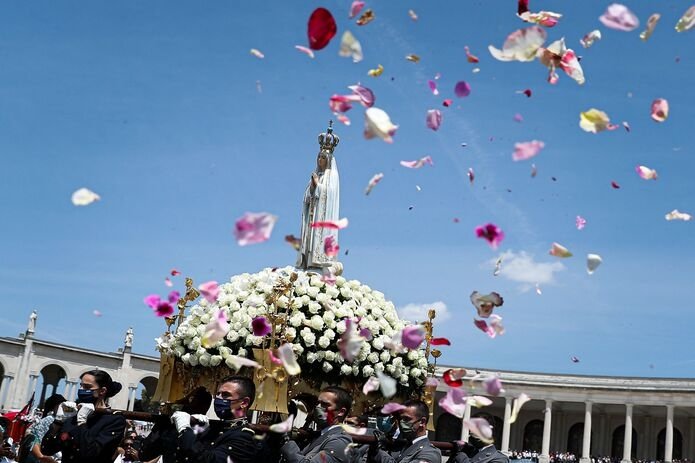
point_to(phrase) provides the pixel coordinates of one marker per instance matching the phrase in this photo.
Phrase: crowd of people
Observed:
(88, 431)
(567, 457)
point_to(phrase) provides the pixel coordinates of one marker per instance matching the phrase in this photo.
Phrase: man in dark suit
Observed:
(230, 438)
(329, 446)
(412, 426)
(476, 451)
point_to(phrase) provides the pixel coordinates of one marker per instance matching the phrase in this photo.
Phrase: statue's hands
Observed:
(314, 179)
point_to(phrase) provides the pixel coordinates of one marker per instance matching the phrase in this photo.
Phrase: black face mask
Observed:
(386, 425)
(85, 396)
(408, 430)
(222, 409)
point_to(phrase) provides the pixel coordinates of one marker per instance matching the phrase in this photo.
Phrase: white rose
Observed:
(315, 281)
(296, 303)
(321, 354)
(340, 327)
(205, 319)
(316, 322)
(324, 342)
(215, 360)
(367, 371)
(322, 298)
(242, 352)
(300, 290)
(232, 336)
(422, 362)
(186, 358)
(282, 302)
(330, 334)
(297, 319)
(346, 370)
(332, 292)
(346, 292)
(378, 343)
(398, 361)
(193, 360)
(305, 300)
(385, 356)
(312, 292)
(311, 357)
(330, 356)
(340, 281)
(390, 368)
(379, 367)
(224, 351)
(204, 360)
(314, 307)
(326, 367)
(179, 350)
(355, 370)
(308, 337)
(373, 357)
(412, 355)
(298, 349)
(290, 333)
(415, 372)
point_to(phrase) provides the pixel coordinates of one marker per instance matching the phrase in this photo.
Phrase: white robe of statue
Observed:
(320, 204)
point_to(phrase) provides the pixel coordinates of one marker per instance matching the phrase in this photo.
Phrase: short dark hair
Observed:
(51, 404)
(103, 379)
(343, 399)
(245, 384)
(196, 401)
(421, 409)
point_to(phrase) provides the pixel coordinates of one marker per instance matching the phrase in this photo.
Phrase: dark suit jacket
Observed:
(93, 442)
(488, 454)
(224, 439)
(422, 450)
(162, 440)
(326, 448)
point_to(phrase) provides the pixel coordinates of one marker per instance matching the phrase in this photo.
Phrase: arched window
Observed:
(618, 440)
(51, 381)
(677, 444)
(448, 428)
(143, 396)
(533, 435)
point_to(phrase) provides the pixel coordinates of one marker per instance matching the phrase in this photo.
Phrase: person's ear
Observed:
(102, 391)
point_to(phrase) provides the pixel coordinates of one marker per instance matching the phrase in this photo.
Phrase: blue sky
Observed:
(155, 107)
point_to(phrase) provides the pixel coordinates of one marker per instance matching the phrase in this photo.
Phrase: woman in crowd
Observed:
(88, 437)
(30, 447)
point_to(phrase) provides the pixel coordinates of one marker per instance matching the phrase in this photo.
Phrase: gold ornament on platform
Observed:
(429, 391)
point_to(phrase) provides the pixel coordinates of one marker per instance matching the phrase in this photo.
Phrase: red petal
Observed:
(440, 342)
(522, 7)
(321, 28)
(452, 377)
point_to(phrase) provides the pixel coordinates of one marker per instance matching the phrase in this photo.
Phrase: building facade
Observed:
(31, 366)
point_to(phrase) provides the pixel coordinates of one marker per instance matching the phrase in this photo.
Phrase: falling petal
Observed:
(152, 301)
(620, 18)
(580, 222)
(321, 28)
(295, 242)
(469, 57)
(493, 386)
(520, 45)
(446, 103)
(386, 384)
(173, 297)
(434, 119)
(372, 182)
(412, 15)
(308, 51)
(454, 402)
(491, 233)
(651, 24)
(412, 58)
(216, 330)
(453, 377)
(518, 118)
(462, 89)
(485, 304)
(328, 276)
(527, 150)
(259, 87)
(355, 8)
(330, 246)
(627, 126)
(283, 427)
(288, 359)
(646, 173)
(589, 39)
(574, 359)
(516, 407)
(538, 290)
(687, 21)
(544, 18)
(96, 313)
(164, 309)
(480, 428)
(84, 197)
(478, 401)
(174, 272)
(557, 55)
(534, 171)
(440, 342)
(595, 121)
(237, 362)
(344, 119)
(521, 7)
(366, 17)
(615, 185)
(167, 282)
(334, 225)
(392, 407)
(471, 175)
(559, 250)
(592, 262)
(377, 123)
(260, 326)
(659, 110)
(209, 290)
(498, 267)
(371, 385)
(376, 72)
(528, 92)
(431, 382)
(678, 215)
(257, 53)
(254, 227)
(433, 87)
(418, 163)
(412, 336)
(350, 47)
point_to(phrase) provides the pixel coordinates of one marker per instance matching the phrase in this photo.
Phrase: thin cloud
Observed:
(523, 268)
(418, 312)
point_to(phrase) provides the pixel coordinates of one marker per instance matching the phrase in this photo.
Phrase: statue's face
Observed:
(322, 161)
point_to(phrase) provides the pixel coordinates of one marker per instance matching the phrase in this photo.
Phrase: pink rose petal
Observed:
(164, 309)
(308, 51)
(491, 233)
(167, 282)
(462, 89)
(330, 246)
(173, 297)
(209, 290)
(520, 45)
(646, 173)
(493, 386)
(454, 402)
(480, 428)
(659, 110)
(373, 182)
(620, 18)
(371, 385)
(412, 336)
(527, 150)
(433, 87)
(288, 359)
(321, 28)
(260, 326)
(418, 163)
(485, 304)
(333, 225)
(485, 328)
(237, 362)
(391, 407)
(434, 119)
(469, 57)
(254, 227)
(215, 330)
(355, 8)
(377, 123)
(580, 222)
(152, 301)
(283, 427)
(559, 250)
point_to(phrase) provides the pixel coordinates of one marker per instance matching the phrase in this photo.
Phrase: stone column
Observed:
(586, 441)
(545, 448)
(668, 447)
(4, 388)
(627, 441)
(131, 397)
(33, 381)
(466, 416)
(506, 426)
